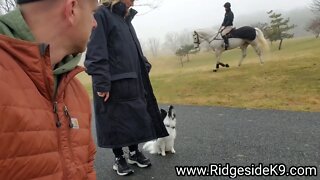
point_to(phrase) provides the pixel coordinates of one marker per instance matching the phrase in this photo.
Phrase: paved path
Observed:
(207, 135)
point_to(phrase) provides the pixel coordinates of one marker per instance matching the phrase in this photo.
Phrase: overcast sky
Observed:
(177, 15)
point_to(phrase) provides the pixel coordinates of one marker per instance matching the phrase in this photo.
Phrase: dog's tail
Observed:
(150, 147)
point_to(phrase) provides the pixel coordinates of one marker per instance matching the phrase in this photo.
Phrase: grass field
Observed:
(289, 79)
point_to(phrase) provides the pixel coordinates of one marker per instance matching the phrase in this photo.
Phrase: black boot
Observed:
(226, 42)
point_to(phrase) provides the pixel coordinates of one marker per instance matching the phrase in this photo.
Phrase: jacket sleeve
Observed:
(224, 20)
(147, 64)
(96, 61)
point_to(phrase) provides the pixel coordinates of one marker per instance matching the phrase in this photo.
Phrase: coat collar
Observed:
(33, 58)
(121, 10)
(132, 13)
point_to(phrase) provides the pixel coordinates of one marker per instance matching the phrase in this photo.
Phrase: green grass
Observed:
(289, 79)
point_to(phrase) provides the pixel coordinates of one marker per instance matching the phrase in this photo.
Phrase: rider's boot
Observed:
(226, 42)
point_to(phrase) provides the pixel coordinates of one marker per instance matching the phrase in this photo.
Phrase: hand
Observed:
(104, 95)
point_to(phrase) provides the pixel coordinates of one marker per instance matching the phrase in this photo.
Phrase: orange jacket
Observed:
(31, 144)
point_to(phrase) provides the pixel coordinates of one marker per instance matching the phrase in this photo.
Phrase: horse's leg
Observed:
(258, 51)
(221, 64)
(218, 55)
(244, 53)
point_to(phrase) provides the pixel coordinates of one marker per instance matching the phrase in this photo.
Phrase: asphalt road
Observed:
(240, 137)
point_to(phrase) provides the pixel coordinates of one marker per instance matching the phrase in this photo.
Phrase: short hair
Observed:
(25, 1)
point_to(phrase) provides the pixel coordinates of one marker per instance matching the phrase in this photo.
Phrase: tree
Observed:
(184, 37)
(278, 29)
(146, 6)
(263, 27)
(6, 6)
(170, 41)
(314, 26)
(154, 46)
(174, 40)
(315, 6)
(184, 51)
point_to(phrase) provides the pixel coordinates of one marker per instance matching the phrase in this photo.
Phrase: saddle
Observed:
(245, 32)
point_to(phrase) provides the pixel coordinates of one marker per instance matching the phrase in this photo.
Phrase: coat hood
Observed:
(121, 9)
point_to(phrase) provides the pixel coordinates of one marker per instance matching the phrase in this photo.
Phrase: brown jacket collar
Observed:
(34, 59)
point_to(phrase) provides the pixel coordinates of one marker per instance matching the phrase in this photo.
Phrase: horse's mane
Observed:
(206, 32)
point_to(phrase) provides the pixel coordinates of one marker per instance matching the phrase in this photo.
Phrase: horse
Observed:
(242, 37)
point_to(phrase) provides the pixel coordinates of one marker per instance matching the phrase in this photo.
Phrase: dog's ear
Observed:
(170, 111)
(163, 114)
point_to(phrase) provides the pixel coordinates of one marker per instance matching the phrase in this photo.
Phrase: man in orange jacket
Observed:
(45, 114)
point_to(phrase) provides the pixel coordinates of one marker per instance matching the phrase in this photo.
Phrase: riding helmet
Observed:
(227, 5)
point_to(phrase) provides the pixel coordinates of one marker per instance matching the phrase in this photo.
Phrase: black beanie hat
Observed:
(25, 1)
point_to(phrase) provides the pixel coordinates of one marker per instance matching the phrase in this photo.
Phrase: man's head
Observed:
(64, 24)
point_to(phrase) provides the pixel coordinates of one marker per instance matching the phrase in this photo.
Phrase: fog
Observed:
(179, 15)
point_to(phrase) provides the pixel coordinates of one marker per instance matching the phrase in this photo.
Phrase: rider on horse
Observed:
(227, 24)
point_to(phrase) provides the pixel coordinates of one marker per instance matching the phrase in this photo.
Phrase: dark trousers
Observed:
(118, 152)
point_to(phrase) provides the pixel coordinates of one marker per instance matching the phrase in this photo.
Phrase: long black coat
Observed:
(117, 65)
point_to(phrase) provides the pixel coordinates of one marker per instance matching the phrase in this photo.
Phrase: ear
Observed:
(70, 10)
(170, 110)
(163, 114)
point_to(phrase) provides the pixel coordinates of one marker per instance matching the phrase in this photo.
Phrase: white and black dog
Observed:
(165, 144)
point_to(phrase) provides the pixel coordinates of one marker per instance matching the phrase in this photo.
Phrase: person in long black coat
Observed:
(126, 110)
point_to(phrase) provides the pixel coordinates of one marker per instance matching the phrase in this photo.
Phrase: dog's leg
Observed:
(163, 149)
(172, 147)
(172, 150)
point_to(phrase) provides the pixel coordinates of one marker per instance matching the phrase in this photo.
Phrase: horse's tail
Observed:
(261, 40)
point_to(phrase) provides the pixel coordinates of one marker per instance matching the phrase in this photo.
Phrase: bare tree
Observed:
(146, 6)
(174, 40)
(185, 38)
(6, 6)
(171, 41)
(314, 27)
(315, 6)
(154, 45)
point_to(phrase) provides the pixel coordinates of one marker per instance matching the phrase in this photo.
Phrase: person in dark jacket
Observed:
(227, 24)
(126, 109)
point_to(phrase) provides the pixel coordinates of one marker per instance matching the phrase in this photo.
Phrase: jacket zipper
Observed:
(67, 114)
(55, 109)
